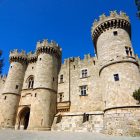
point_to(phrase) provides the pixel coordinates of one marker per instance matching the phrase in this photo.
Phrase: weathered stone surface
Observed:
(40, 90)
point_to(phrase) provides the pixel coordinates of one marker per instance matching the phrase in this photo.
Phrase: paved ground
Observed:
(38, 135)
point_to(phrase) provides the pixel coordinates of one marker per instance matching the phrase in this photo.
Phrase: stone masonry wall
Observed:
(122, 121)
(2, 82)
(73, 80)
(119, 93)
(74, 122)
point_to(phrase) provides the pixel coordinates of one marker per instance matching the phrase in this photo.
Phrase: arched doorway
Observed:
(24, 116)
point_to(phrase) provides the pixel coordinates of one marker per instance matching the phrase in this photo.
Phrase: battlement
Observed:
(15, 55)
(48, 47)
(114, 20)
(78, 59)
(32, 57)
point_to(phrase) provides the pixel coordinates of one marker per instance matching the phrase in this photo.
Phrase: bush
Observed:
(136, 95)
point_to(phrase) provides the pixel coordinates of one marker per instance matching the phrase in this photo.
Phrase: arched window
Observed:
(30, 82)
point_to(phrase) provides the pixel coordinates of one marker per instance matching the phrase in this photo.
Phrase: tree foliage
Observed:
(137, 2)
(136, 95)
(1, 62)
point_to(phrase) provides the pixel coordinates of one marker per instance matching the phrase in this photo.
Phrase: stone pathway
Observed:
(43, 135)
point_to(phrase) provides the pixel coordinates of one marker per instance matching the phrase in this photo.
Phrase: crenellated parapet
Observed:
(32, 57)
(48, 47)
(16, 56)
(114, 20)
(77, 60)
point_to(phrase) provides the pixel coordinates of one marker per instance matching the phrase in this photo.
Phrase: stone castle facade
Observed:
(93, 94)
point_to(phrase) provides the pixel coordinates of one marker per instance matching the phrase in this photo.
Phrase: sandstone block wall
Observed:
(110, 46)
(8, 110)
(55, 101)
(119, 93)
(15, 78)
(2, 82)
(73, 80)
(122, 121)
(30, 71)
(74, 122)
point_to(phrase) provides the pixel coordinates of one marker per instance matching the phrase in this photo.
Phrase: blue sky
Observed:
(68, 22)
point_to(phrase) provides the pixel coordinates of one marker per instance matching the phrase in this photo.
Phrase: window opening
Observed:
(115, 33)
(128, 51)
(85, 117)
(83, 90)
(35, 94)
(60, 97)
(84, 73)
(16, 86)
(59, 118)
(31, 82)
(5, 97)
(116, 77)
(61, 78)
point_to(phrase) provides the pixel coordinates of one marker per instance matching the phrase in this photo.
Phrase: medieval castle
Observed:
(93, 94)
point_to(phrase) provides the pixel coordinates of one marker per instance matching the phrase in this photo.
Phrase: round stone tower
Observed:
(119, 73)
(12, 88)
(43, 107)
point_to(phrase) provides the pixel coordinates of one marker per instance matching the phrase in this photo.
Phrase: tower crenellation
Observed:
(32, 57)
(49, 47)
(92, 94)
(117, 63)
(113, 21)
(18, 56)
(113, 15)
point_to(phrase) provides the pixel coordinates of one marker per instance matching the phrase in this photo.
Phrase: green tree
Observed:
(137, 2)
(1, 62)
(136, 95)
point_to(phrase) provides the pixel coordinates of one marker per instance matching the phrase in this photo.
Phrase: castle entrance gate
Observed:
(24, 116)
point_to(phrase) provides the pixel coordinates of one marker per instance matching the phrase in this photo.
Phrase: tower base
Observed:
(122, 121)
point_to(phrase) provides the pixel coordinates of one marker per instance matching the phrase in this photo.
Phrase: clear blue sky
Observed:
(68, 22)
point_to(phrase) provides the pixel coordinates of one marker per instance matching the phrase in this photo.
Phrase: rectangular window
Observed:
(61, 78)
(60, 97)
(5, 97)
(116, 77)
(84, 73)
(59, 118)
(93, 62)
(128, 51)
(115, 33)
(83, 90)
(16, 86)
(85, 117)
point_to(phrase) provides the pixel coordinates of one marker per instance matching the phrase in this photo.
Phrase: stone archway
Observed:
(24, 116)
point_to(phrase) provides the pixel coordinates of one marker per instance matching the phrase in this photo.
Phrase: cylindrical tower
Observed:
(12, 88)
(119, 72)
(48, 65)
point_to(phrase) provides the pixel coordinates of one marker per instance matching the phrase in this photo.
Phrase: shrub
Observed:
(136, 95)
